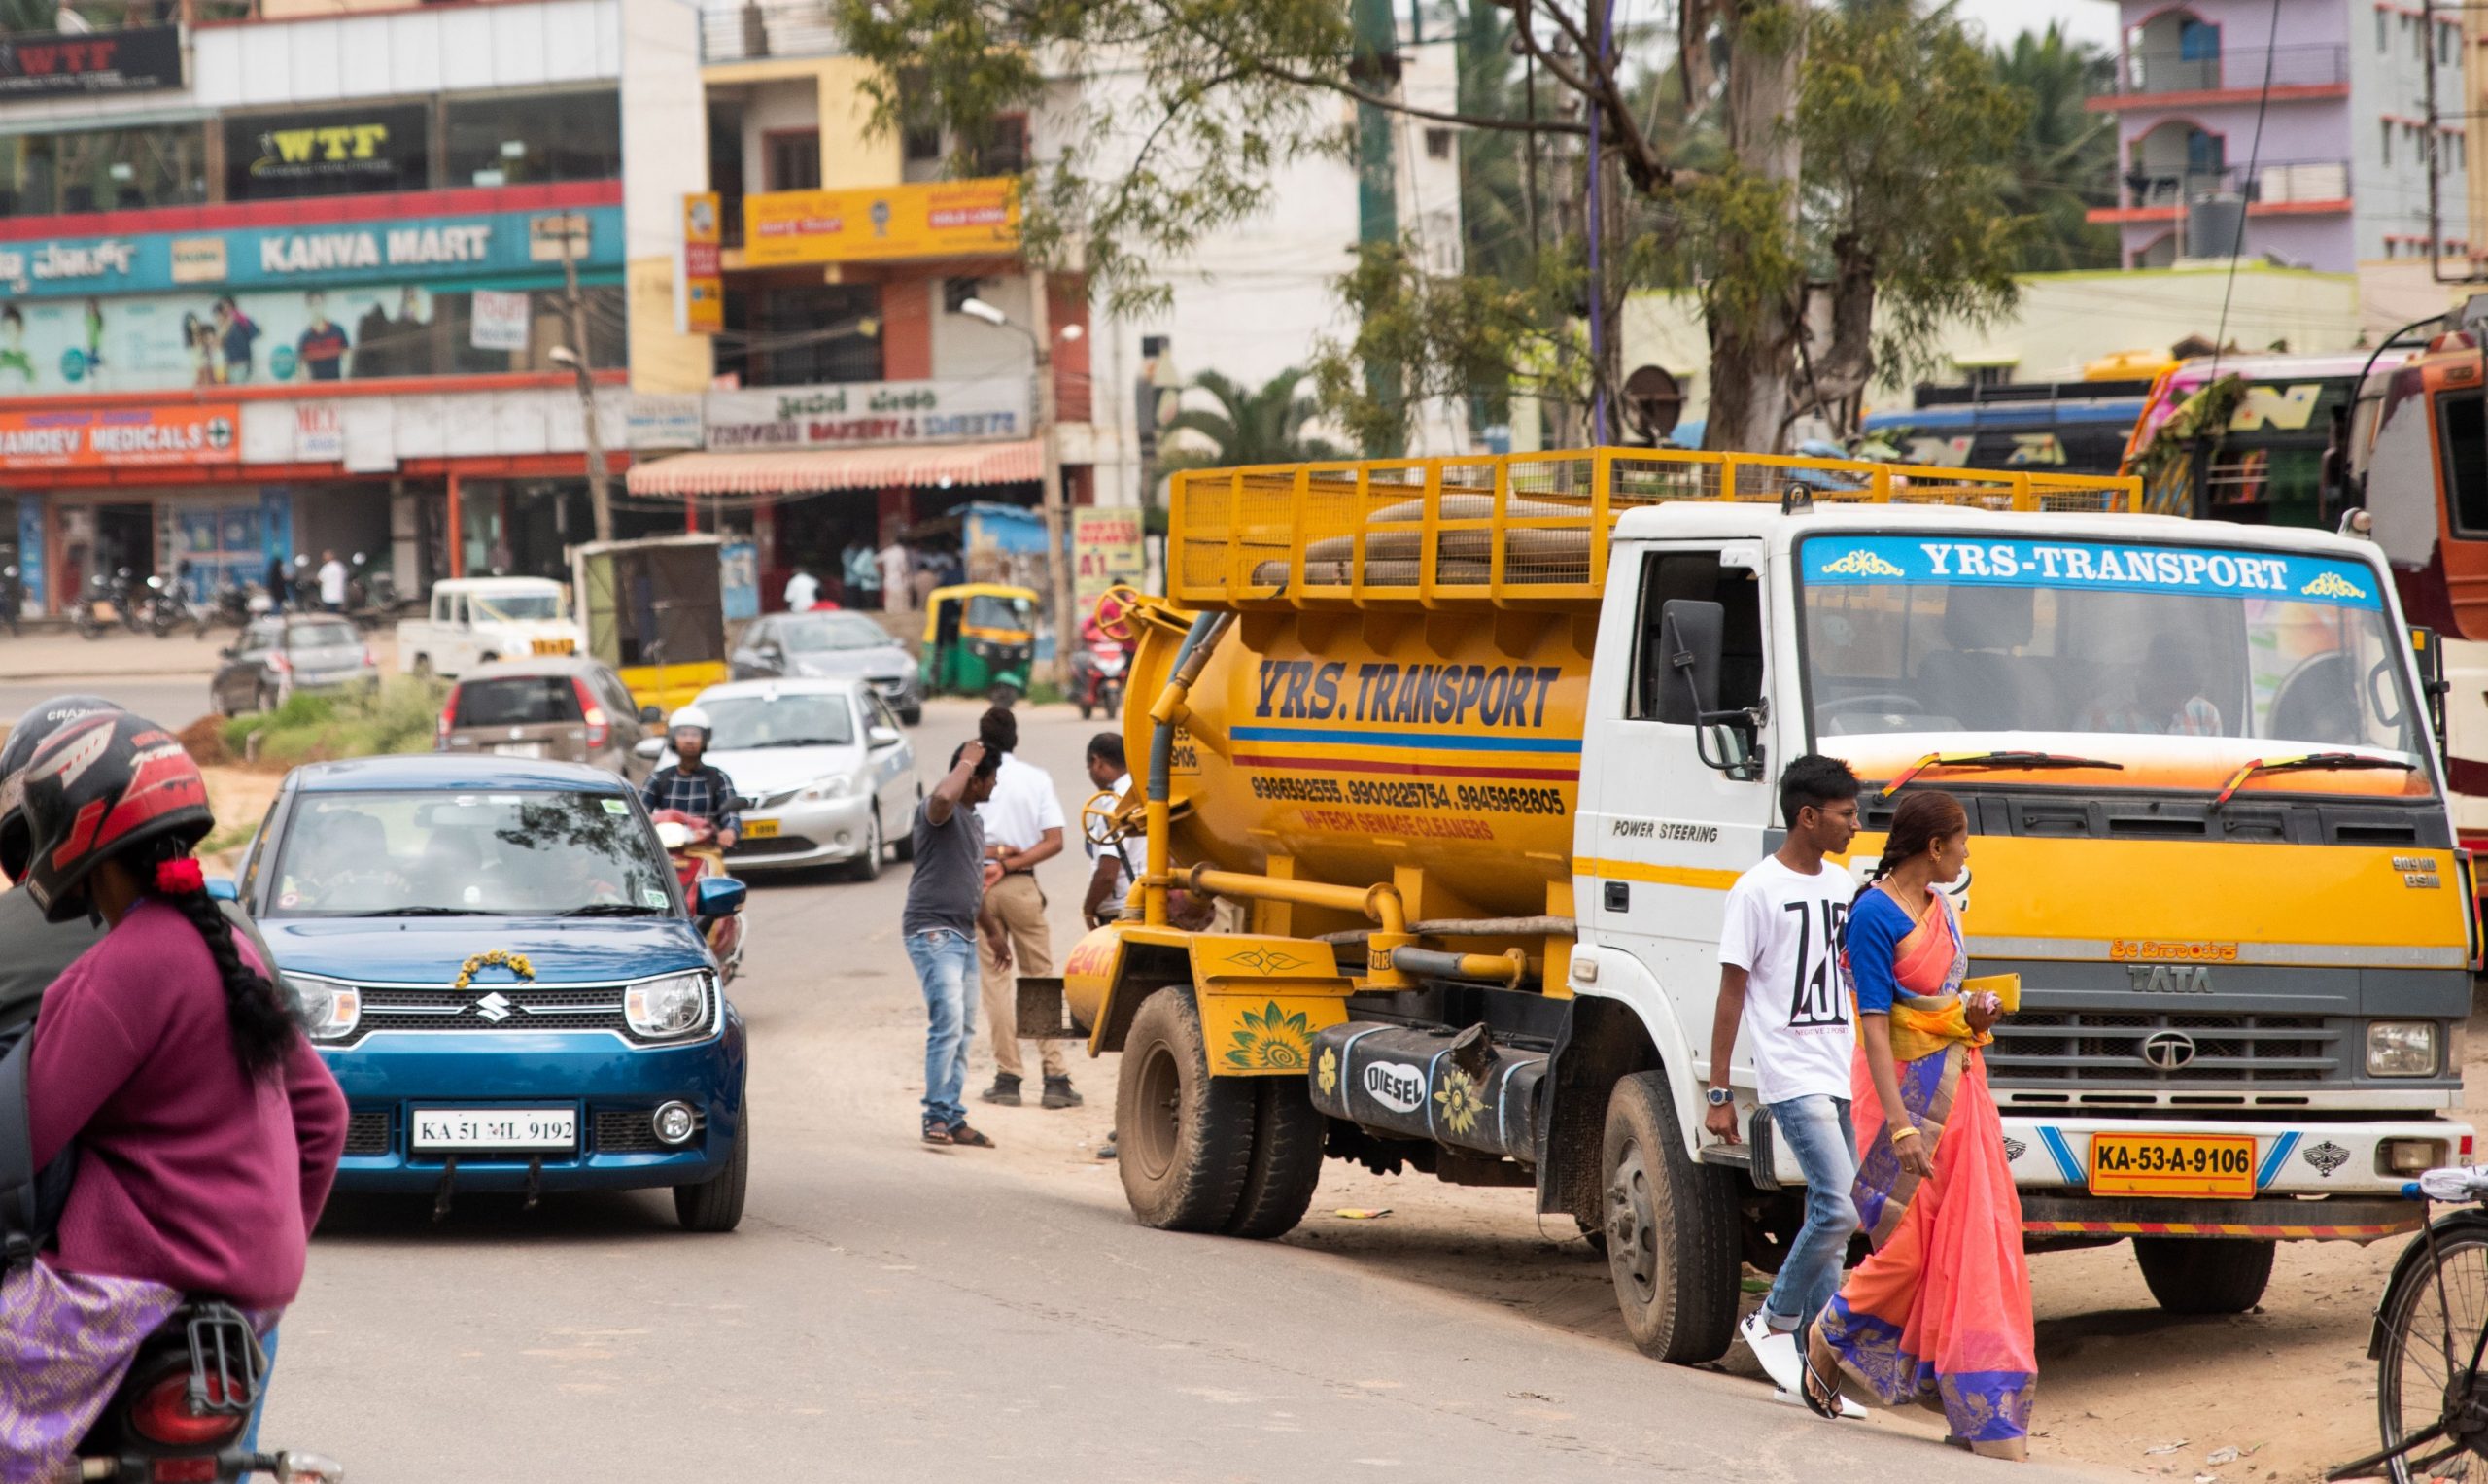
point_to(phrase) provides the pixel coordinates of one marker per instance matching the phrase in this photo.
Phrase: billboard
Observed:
(862, 413)
(92, 64)
(121, 437)
(947, 219)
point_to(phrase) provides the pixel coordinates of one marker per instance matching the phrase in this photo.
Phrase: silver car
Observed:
(277, 656)
(827, 776)
(804, 645)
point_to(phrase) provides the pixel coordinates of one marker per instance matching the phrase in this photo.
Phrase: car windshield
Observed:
(488, 853)
(322, 633)
(1945, 636)
(517, 607)
(800, 720)
(988, 612)
(838, 631)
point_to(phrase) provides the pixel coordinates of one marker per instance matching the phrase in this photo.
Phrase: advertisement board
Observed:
(1105, 549)
(92, 64)
(704, 283)
(864, 413)
(945, 218)
(120, 437)
(343, 151)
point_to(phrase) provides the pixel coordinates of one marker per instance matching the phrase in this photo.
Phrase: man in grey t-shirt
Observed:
(945, 910)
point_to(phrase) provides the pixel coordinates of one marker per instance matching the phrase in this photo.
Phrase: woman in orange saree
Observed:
(1939, 1315)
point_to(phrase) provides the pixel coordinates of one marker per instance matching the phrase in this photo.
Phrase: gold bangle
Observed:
(1910, 1133)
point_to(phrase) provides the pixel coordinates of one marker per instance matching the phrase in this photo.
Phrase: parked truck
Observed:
(1444, 769)
(473, 621)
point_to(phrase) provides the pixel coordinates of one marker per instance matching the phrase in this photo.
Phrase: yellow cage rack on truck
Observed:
(1465, 753)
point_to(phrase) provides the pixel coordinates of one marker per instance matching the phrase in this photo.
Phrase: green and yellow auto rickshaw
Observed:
(978, 640)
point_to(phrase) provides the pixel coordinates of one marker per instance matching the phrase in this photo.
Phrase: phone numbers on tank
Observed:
(1476, 798)
(2167, 1159)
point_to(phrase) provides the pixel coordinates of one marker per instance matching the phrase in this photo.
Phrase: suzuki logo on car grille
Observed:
(495, 1008)
(2168, 1049)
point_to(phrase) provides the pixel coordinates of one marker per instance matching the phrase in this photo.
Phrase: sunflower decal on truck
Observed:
(1272, 1039)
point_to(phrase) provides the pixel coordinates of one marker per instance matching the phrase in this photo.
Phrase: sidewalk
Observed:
(123, 655)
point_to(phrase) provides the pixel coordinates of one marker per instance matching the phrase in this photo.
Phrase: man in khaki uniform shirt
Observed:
(1022, 828)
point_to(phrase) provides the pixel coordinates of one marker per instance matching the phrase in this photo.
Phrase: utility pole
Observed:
(599, 482)
(1066, 628)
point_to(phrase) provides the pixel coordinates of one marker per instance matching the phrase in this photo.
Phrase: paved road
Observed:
(164, 679)
(888, 1311)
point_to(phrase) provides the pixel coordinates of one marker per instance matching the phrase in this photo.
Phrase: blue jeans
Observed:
(1817, 1132)
(946, 967)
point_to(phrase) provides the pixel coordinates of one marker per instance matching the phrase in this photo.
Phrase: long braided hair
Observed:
(262, 1023)
(1921, 819)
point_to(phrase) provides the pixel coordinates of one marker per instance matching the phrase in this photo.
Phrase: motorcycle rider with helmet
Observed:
(690, 785)
(207, 1128)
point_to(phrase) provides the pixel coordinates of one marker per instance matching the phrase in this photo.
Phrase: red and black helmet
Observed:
(97, 786)
(37, 723)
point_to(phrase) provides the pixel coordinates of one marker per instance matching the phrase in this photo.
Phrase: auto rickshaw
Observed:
(979, 639)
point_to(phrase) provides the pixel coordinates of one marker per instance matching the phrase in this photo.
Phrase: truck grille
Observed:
(2052, 1046)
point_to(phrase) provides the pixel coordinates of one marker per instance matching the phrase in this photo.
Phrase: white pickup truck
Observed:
(478, 620)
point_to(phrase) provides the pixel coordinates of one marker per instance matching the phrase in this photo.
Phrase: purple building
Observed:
(2339, 176)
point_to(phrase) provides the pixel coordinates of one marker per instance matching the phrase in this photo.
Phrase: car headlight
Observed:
(331, 1008)
(829, 788)
(2402, 1049)
(675, 1005)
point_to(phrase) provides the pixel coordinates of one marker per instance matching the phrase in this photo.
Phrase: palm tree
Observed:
(1248, 426)
(2065, 161)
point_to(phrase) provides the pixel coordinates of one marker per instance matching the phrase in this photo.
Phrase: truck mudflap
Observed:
(2355, 1219)
(2055, 1157)
(1458, 1089)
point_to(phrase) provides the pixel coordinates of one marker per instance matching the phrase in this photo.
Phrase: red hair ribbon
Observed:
(174, 877)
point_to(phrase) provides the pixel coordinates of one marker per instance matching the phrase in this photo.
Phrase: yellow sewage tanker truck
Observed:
(1443, 769)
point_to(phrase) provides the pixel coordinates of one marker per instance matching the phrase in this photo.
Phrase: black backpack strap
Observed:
(21, 1218)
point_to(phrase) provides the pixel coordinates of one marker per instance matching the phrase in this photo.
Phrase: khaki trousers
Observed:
(1021, 908)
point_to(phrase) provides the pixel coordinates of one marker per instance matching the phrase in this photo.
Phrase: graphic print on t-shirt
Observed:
(1814, 996)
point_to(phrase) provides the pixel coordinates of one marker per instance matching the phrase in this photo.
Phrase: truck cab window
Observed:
(1697, 574)
(2462, 421)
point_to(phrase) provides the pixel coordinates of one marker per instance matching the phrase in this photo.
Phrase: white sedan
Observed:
(826, 773)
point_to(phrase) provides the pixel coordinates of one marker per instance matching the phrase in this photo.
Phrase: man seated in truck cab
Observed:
(2167, 697)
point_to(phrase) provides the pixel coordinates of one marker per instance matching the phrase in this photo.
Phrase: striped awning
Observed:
(805, 471)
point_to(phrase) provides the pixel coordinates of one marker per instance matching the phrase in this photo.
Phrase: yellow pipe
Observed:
(1379, 903)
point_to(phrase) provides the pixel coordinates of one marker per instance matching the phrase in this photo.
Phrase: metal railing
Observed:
(2142, 74)
(731, 32)
(2272, 183)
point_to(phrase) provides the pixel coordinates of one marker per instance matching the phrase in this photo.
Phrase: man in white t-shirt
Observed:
(1022, 828)
(802, 590)
(332, 582)
(1781, 980)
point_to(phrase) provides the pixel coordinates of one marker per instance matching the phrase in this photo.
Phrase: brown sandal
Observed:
(961, 1134)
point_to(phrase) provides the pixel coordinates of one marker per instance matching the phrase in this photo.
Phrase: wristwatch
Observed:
(1720, 1097)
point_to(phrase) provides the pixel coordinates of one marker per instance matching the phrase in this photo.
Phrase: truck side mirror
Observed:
(1694, 635)
(2428, 648)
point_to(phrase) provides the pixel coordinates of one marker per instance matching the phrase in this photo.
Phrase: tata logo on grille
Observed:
(494, 1007)
(2169, 979)
(2168, 1049)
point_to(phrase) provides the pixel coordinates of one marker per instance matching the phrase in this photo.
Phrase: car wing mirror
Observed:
(650, 747)
(879, 737)
(224, 889)
(717, 897)
(650, 716)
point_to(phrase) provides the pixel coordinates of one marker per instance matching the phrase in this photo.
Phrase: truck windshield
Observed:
(429, 853)
(517, 607)
(1961, 639)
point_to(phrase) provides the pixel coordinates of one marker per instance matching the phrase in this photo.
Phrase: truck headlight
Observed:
(829, 788)
(675, 1005)
(331, 1008)
(2402, 1049)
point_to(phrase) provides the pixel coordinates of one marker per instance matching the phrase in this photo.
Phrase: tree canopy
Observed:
(1247, 424)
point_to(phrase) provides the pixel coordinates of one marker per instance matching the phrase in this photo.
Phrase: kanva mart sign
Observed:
(121, 437)
(404, 250)
(947, 219)
(866, 413)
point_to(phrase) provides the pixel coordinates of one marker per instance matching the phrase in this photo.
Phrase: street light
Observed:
(1058, 570)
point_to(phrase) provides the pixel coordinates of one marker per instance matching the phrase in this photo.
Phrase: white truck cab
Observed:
(477, 620)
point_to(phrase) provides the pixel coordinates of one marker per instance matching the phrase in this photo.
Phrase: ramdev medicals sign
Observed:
(121, 437)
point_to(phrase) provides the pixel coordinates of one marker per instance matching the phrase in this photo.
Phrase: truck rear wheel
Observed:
(1671, 1229)
(1287, 1160)
(2205, 1275)
(1185, 1137)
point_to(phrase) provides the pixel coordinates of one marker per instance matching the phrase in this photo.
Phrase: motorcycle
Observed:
(13, 597)
(691, 843)
(167, 606)
(87, 614)
(306, 585)
(184, 1408)
(372, 591)
(126, 604)
(1098, 677)
(235, 602)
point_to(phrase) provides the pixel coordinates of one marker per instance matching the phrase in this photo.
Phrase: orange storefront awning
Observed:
(806, 471)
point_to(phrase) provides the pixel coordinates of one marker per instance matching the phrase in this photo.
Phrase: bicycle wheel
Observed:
(2430, 1366)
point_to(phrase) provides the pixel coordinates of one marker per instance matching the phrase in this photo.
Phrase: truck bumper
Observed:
(2051, 1164)
(2342, 1219)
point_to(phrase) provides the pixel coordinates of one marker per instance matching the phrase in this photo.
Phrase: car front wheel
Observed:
(716, 1205)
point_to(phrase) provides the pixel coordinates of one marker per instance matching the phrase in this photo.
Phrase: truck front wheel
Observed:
(2205, 1275)
(1186, 1137)
(1671, 1229)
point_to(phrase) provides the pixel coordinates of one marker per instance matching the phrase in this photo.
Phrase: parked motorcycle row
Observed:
(164, 605)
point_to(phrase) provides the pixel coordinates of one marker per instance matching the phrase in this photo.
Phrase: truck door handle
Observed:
(1619, 896)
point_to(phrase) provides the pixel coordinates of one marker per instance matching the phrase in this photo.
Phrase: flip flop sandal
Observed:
(1810, 1378)
(961, 1134)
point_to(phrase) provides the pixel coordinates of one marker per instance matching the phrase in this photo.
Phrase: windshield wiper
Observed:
(611, 910)
(425, 912)
(2303, 761)
(798, 741)
(2001, 759)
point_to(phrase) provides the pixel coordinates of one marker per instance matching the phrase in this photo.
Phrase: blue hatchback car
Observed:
(501, 970)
